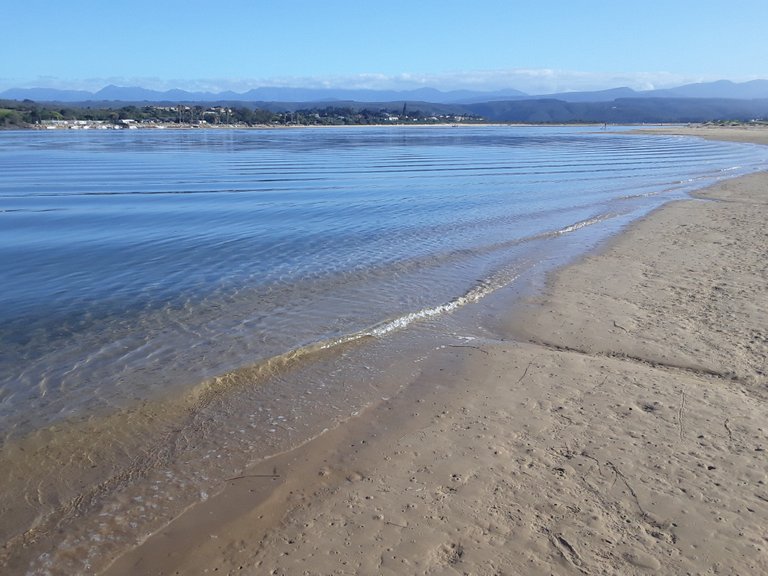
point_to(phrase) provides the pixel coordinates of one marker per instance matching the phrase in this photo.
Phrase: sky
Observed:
(536, 47)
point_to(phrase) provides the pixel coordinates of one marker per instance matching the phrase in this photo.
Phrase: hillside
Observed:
(754, 89)
(623, 110)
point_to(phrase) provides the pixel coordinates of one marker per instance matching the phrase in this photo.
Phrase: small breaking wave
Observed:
(250, 375)
(473, 295)
(580, 225)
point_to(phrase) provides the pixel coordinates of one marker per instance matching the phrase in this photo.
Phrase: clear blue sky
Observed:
(486, 44)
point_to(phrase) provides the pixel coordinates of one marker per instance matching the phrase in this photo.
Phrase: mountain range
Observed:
(755, 89)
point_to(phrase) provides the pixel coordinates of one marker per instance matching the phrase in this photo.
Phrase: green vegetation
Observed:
(9, 117)
(28, 114)
(624, 110)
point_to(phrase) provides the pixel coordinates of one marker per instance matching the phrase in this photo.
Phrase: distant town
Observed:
(28, 114)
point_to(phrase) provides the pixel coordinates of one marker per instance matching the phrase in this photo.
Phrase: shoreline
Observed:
(674, 129)
(230, 127)
(587, 435)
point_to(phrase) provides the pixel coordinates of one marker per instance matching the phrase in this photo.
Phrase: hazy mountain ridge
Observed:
(623, 110)
(265, 94)
(755, 89)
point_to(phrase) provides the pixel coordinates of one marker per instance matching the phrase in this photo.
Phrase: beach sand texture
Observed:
(616, 424)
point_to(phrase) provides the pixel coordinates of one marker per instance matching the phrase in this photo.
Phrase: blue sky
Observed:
(484, 44)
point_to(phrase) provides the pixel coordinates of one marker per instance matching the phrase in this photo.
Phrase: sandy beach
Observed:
(753, 134)
(615, 423)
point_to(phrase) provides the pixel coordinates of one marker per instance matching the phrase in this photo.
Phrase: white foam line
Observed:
(579, 225)
(474, 295)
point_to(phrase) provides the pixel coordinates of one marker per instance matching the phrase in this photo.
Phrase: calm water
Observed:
(133, 262)
(138, 264)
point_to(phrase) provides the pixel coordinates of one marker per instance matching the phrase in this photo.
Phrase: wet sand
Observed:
(754, 134)
(613, 424)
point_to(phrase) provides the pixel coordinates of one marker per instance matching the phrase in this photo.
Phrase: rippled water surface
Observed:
(140, 261)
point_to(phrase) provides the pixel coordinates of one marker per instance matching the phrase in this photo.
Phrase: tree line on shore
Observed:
(29, 114)
(26, 114)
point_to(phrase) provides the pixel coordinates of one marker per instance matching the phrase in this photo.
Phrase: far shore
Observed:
(226, 127)
(613, 424)
(741, 133)
(84, 126)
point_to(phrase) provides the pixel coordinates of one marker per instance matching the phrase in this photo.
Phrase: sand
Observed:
(616, 423)
(756, 134)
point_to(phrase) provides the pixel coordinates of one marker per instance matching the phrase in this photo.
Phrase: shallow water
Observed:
(138, 262)
(173, 298)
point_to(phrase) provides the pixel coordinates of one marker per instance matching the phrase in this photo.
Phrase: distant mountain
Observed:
(623, 110)
(266, 94)
(720, 89)
(330, 95)
(46, 95)
(595, 96)
(754, 89)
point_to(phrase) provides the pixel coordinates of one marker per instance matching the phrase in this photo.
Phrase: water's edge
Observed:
(188, 445)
